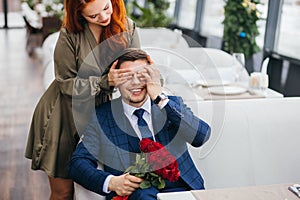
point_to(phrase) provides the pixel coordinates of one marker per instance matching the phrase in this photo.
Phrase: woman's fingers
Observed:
(116, 76)
(150, 60)
(113, 66)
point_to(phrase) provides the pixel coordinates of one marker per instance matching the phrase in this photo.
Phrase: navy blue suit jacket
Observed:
(111, 140)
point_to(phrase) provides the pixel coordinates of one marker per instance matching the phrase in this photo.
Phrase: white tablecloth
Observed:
(253, 142)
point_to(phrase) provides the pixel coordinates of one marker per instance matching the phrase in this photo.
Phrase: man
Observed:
(112, 137)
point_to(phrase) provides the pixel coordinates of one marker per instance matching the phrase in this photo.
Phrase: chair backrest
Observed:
(195, 64)
(49, 74)
(48, 47)
(162, 37)
(50, 25)
(171, 63)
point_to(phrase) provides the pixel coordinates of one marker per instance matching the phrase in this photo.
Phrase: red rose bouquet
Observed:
(155, 164)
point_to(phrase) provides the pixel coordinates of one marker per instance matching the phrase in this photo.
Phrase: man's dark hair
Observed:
(132, 54)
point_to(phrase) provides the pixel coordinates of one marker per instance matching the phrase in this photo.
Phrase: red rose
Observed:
(147, 145)
(161, 161)
(160, 158)
(169, 172)
(120, 198)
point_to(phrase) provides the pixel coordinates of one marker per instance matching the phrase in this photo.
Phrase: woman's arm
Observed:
(135, 42)
(67, 70)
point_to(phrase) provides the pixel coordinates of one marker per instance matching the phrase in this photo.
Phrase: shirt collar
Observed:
(128, 109)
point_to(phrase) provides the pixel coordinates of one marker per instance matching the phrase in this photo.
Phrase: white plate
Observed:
(212, 83)
(227, 90)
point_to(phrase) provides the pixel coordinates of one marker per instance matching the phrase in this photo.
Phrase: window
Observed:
(187, 13)
(171, 9)
(213, 16)
(14, 14)
(288, 42)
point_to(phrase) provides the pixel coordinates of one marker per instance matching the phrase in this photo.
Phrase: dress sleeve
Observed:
(135, 39)
(66, 63)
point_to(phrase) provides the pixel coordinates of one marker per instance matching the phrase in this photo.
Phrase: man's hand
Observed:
(152, 76)
(124, 185)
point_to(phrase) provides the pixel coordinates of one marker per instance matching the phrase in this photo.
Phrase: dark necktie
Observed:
(143, 126)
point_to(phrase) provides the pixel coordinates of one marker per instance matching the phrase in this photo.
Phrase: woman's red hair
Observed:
(74, 22)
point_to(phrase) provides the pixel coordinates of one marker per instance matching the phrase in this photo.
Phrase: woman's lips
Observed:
(105, 21)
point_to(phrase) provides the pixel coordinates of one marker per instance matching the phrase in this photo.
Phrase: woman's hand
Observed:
(118, 76)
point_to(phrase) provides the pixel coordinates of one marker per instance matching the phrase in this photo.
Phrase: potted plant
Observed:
(42, 17)
(153, 14)
(46, 8)
(240, 27)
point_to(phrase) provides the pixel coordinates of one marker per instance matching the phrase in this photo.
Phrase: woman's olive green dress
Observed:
(79, 80)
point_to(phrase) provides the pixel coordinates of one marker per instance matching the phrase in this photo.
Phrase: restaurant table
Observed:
(206, 94)
(200, 93)
(264, 192)
(252, 142)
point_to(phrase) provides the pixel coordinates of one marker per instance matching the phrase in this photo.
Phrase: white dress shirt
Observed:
(133, 119)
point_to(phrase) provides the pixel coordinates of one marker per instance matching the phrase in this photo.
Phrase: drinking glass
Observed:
(239, 59)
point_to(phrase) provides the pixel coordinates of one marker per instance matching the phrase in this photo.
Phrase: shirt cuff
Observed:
(163, 103)
(105, 185)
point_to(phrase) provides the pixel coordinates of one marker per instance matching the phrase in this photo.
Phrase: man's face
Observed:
(134, 91)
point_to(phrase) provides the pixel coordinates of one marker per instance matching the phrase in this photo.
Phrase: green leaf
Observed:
(153, 15)
(155, 182)
(153, 174)
(140, 175)
(239, 18)
(129, 169)
(162, 184)
(137, 158)
(145, 184)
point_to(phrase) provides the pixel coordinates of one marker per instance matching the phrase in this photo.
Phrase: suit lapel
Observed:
(123, 128)
(159, 120)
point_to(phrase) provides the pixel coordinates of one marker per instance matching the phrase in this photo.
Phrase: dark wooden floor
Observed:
(20, 89)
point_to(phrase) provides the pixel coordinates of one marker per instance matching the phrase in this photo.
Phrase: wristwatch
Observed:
(162, 96)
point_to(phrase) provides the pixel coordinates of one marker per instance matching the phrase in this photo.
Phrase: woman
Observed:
(81, 78)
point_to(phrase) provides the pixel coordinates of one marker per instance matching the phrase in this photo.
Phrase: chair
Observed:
(38, 27)
(162, 37)
(48, 47)
(50, 25)
(218, 65)
(184, 69)
(80, 193)
(48, 60)
(48, 75)
(33, 28)
(199, 64)
(178, 73)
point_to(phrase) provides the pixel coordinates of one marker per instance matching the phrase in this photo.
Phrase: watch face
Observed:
(160, 97)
